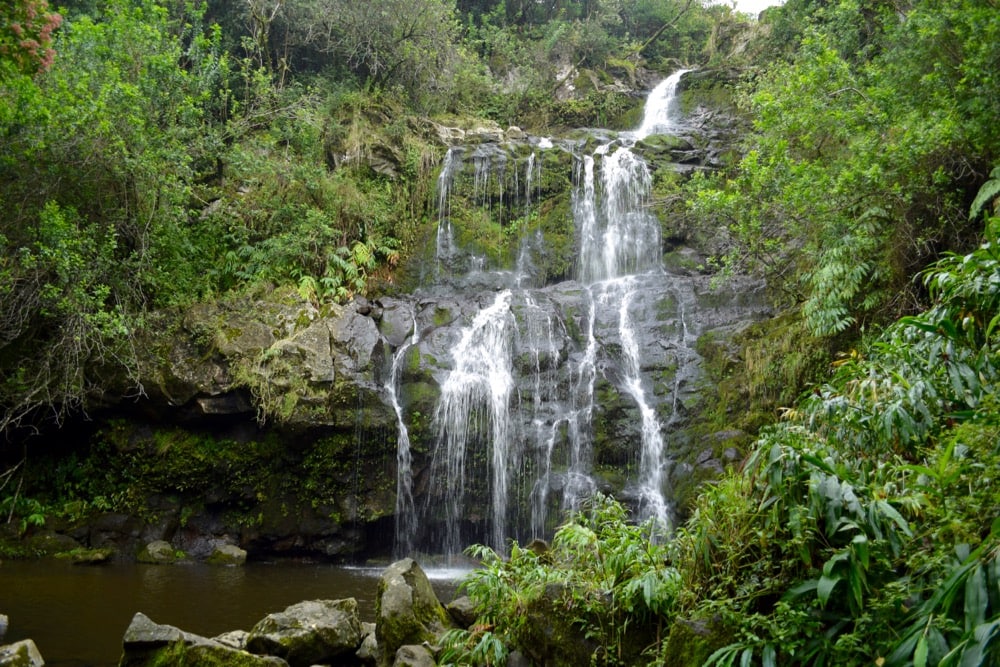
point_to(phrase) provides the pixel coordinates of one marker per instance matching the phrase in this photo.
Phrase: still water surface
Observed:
(77, 615)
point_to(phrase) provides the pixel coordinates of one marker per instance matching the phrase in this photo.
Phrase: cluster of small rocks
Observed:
(409, 622)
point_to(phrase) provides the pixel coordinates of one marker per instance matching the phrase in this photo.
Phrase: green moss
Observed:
(690, 643)
(179, 654)
(84, 556)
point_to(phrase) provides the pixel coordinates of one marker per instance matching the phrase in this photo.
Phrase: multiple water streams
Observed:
(515, 422)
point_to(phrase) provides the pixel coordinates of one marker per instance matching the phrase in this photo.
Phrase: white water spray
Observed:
(619, 244)
(406, 516)
(473, 418)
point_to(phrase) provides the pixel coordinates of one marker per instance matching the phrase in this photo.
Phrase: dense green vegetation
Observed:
(155, 155)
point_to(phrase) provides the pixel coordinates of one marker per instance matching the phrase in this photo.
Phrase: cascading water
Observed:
(473, 417)
(515, 422)
(660, 115)
(406, 525)
(444, 248)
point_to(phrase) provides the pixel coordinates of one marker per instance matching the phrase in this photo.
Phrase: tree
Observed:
(868, 145)
(26, 32)
(406, 43)
(100, 153)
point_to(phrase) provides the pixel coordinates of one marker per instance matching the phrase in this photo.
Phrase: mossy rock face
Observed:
(48, 542)
(87, 556)
(227, 554)
(553, 634)
(21, 654)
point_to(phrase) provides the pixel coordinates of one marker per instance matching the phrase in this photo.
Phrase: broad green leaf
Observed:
(920, 654)
(976, 599)
(893, 514)
(825, 586)
(768, 658)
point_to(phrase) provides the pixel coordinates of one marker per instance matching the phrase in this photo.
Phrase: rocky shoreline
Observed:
(407, 629)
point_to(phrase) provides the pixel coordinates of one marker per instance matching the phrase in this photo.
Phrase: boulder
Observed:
(21, 654)
(368, 653)
(406, 609)
(413, 655)
(227, 554)
(148, 643)
(310, 632)
(158, 552)
(234, 638)
(463, 611)
(51, 542)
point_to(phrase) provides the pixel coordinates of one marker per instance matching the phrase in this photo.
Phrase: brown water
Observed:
(77, 615)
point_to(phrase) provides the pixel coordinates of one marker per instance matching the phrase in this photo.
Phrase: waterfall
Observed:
(620, 237)
(514, 427)
(661, 113)
(444, 248)
(473, 415)
(652, 504)
(406, 524)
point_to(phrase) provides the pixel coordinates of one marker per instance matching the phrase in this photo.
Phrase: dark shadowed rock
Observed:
(463, 611)
(310, 632)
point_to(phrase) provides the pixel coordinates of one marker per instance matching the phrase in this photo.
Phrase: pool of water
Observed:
(77, 615)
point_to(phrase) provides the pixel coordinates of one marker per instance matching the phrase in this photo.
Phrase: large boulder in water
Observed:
(407, 610)
(148, 643)
(158, 552)
(310, 632)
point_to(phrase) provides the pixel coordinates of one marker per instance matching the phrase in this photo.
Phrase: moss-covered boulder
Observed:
(227, 554)
(147, 644)
(407, 610)
(310, 632)
(83, 556)
(551, 635)
(159, 552)
(690, 643)
(21, 654)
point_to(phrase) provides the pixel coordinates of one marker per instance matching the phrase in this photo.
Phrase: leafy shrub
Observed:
(602, 575)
